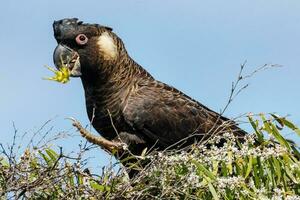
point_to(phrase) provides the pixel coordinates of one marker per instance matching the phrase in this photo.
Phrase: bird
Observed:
(123, 100)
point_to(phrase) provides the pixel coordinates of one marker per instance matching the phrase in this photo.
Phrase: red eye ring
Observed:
(81, 39)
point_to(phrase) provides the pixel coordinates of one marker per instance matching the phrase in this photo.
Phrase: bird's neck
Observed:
(105, 87)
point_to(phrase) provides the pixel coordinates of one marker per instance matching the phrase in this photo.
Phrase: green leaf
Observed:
(127, 159)
(224, 170)
(272, 130)
(278, 119)
(213, 191)
(259, 135)
(52, 154)
(290, 175)
(266, 124)
(256, 172)
(290, 125)
(215, 167)
(144, 152)
(34, 163)
(229, 163)
(249, 167)
(202, 170)
(102, 188)
(261, 170)
(297, 131)
(79, 179)
(45, 157)
(271, 173)
(71, 181)
(284, 121)
(277, 169)
(279, 137)
(3, 162)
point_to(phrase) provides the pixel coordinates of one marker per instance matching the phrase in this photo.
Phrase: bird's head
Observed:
(84, 48)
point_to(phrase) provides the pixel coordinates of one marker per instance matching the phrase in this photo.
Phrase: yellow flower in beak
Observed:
(62, 75)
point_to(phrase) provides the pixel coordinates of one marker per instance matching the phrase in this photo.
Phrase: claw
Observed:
(71, 118)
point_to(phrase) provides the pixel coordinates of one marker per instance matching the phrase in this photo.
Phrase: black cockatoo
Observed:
(123, 99)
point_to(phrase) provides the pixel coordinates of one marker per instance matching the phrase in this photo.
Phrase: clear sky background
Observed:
(194, 45)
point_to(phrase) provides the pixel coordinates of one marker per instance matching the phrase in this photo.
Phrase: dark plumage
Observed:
(123, 97)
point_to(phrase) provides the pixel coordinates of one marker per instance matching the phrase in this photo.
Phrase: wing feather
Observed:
(164, 114)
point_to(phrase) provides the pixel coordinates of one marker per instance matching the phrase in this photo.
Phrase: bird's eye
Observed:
(81, 39)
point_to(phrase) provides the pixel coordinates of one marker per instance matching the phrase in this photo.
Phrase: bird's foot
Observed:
(110, 146)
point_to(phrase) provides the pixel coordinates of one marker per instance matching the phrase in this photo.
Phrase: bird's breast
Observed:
(104, 113)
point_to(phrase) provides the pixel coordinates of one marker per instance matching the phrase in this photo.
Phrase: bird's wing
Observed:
(164, 114)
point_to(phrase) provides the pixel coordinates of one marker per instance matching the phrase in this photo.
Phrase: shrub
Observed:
(264, 165)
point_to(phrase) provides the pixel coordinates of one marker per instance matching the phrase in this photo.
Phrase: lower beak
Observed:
(64, 56)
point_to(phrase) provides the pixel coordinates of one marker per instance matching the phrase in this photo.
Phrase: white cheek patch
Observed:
(107, 46)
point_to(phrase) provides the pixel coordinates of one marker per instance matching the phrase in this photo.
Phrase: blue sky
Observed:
(196, 46)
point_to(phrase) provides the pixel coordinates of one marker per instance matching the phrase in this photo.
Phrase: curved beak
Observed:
(65, 56)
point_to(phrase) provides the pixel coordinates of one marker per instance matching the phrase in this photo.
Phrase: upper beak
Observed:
(65, 56)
